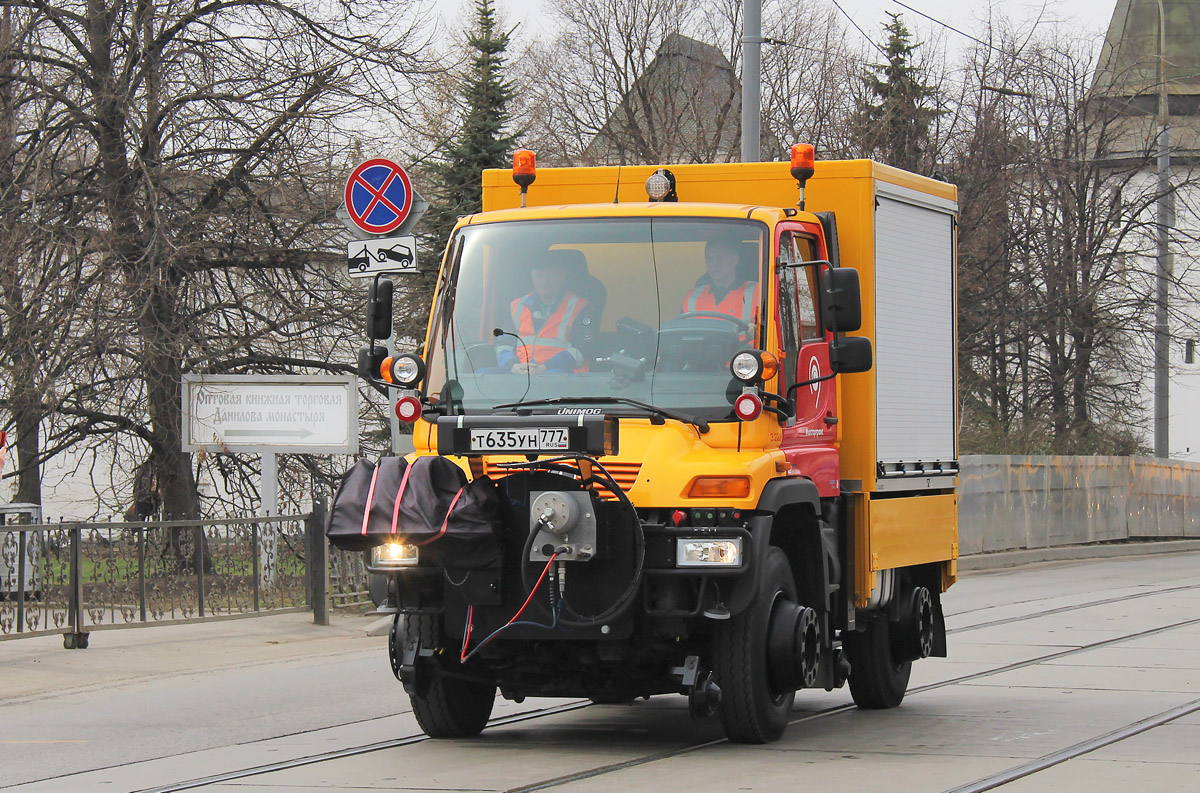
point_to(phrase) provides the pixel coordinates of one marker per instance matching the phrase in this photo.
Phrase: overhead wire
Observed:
(953, 29)
(861, 32)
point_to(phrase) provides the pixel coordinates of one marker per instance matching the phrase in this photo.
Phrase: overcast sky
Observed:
(1086, 16)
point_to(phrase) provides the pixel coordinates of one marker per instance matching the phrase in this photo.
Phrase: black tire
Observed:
(877, 682)
(751, 711)
(448, 707)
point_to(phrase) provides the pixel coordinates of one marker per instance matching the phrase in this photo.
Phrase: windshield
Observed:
(634, 308)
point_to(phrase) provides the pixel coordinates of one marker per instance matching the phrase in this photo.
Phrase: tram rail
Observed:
(985, 783)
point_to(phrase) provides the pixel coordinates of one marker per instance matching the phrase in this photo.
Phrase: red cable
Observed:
(462, 655)
(462, 658)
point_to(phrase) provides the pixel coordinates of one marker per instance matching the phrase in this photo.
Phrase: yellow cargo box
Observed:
(898, 430)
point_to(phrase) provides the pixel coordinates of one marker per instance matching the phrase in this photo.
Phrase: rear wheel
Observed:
(877, 681)
(752, 710)
(447, 707)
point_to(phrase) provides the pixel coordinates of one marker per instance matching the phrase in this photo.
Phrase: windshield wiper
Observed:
(700, 424)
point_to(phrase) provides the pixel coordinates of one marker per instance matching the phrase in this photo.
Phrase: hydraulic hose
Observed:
(626, 598)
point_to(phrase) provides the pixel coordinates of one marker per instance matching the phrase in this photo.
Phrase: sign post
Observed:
(269, 415)
(380, 199)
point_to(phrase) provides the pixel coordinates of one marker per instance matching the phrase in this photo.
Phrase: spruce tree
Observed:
(482, 141)
(895, 127)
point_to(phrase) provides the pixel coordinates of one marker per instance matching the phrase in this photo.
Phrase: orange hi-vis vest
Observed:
(740, 302)
(551, 338)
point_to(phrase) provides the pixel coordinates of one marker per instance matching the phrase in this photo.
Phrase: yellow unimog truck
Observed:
(680, 491)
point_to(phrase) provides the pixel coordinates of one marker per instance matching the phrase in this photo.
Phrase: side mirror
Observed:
(379, 309)
(849, 354)
(841, 305)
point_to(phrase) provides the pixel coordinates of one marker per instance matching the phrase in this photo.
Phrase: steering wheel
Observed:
(743, 327)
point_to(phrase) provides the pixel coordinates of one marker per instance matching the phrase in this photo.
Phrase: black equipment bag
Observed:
(428, 503)
(365, 487)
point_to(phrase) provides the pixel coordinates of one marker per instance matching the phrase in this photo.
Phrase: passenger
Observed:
(548, 320)
(722, 289)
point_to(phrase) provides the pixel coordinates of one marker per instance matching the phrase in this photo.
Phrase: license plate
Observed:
(525, 439)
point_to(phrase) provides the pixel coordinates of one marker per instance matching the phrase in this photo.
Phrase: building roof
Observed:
(1129, 60)
(1128, 73)
(685, 107)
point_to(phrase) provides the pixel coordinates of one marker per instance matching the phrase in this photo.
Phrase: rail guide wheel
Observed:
(444, 707)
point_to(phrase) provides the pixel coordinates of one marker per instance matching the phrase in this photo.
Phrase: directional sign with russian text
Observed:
(366, 258)
(240, 413)
(379, 196)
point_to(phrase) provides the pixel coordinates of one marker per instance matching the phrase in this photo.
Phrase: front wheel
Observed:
(447, 707)
(752, 710)
(877, 681)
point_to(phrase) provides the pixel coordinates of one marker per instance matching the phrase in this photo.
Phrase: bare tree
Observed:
(1055, 236)
(806, 68)
(46, 288)
(207, 145)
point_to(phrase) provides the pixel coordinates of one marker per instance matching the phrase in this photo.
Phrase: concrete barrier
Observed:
(1009, 502)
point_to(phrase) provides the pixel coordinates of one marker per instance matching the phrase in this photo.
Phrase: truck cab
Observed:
(668, 406)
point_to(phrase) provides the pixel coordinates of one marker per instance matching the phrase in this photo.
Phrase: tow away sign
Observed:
(242, 413)
(366, 258)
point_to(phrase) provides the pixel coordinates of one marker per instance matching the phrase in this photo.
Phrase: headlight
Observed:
(394, 554)
(407, 370)
(745, 366)
(751, 366)
(708, 553)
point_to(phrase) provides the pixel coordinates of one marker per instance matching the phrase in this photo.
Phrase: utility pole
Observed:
(751, 79)
(1165, 221)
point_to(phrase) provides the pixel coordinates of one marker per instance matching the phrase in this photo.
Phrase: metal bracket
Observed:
(704, 695)
(688, 672)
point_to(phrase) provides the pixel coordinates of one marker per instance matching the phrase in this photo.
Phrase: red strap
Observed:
(370, 500)
(447, 520)
(400, 495)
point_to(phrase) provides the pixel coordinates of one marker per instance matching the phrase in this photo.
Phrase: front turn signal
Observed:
(719, 487)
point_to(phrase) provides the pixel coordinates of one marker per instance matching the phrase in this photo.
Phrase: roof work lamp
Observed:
(660, 186)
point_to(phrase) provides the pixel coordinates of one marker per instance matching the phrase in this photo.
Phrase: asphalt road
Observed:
(1042, 659)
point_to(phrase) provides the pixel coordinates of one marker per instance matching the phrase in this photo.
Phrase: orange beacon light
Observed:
(524, 170)
(804, 159)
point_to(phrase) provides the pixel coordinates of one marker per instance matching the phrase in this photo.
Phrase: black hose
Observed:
(626, 599)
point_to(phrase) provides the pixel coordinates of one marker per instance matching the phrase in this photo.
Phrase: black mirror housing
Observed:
(379, 309)
(850, 354)
(841, 303)
(370, 358)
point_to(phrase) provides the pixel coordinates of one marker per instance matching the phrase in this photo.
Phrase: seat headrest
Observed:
(573, 261)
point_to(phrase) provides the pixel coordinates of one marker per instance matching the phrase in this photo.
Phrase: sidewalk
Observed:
(38, 667)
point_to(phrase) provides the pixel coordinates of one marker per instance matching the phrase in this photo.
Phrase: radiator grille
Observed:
(625, 473)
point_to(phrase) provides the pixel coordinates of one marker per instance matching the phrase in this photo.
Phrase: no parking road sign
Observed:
(379, 196)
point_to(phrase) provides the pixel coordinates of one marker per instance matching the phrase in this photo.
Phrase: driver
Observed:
(546, 319)
(721, 289)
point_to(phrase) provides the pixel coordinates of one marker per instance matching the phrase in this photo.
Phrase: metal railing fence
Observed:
(74, 578)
